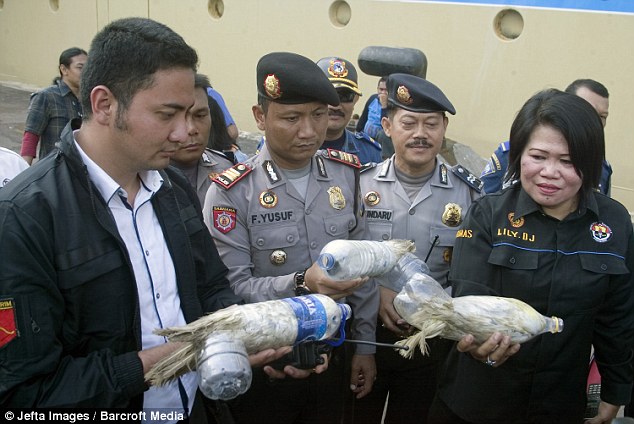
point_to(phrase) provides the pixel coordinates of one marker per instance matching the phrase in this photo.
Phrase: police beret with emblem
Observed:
(416, 94)
(290, 78)
(340, 72)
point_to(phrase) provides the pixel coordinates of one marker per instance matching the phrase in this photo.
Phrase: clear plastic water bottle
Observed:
(223, 367)
(406, 267)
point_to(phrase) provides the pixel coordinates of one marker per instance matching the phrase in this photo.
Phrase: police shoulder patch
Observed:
(343, 157)
(232, 175)
(364, 137)
(465, 175)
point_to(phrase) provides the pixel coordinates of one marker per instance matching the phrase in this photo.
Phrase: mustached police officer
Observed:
(413, 195)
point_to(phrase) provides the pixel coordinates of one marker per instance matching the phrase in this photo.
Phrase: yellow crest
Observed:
(452, 216)
(336, 198)
(403, 96)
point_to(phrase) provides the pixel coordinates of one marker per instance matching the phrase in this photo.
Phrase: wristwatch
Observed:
(301, 289)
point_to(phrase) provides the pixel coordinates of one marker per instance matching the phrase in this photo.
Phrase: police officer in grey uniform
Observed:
(413, 195)
(198, 163)
(270, 218)
(343, 75)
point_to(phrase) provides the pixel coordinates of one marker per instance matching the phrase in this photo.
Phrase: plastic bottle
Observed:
(223, 364)
(223, 367)
(348, 259)
(403, 271)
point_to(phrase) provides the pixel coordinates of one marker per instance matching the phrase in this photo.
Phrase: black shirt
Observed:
(577, 269)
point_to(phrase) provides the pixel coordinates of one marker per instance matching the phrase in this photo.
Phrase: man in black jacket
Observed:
(101, 244)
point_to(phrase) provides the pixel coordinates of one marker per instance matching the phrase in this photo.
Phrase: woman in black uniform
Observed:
(554, 242)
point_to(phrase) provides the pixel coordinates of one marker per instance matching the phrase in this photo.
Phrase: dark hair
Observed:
(201, 81)
(382, 79)
(592, 85)
(125, 55)
(219, 138)
(264, 103)
(66, 58)
(575, 119)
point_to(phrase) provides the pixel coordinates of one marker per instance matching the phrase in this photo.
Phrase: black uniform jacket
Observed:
(67, 279)
(578, 269)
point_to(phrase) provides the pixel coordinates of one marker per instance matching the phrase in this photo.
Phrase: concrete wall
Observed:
(487, 77)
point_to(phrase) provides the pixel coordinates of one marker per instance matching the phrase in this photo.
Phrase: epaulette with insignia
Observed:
(363, 136)
(505, 146)
(232, 175)
(368, 166)
(344, 157)
(466, 176)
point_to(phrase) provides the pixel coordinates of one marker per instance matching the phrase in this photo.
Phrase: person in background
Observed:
(343, 76)
(53, 107)
(230, 123)
(11, 164)
(219, 138)
(370, 120)
(594, 93)
(103, 243)
(271, 216)
(552, 241)
(197, 162)
(413, 195)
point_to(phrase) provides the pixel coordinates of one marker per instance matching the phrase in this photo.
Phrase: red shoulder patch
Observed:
(344, 157)
(8, 330)
(224, 219)
(232, 175)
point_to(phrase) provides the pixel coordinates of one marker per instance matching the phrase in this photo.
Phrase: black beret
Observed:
(290, 78)
(340, 72)
(416, 94)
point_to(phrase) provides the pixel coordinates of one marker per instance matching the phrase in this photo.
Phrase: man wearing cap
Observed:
(272, 215)
(413, 195)
(343, 76)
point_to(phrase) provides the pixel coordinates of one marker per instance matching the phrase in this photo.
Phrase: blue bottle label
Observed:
(311, 316)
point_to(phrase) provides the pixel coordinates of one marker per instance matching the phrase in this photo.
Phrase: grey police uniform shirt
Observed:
(437, 210)
(211, 163)
(265, 232)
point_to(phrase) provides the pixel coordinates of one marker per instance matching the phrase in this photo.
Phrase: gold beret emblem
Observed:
(403, 96)
(452, 216)
(337, 68)
(272, 86)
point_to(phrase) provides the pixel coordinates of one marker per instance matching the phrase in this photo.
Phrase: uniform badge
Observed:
(516, 223)
(278, 257)
(268, 199)
(8, 328)
(272, 86)
(270, 171)
(446, 255)
(442, 170)
(452, 216)
(600, 232)
(403, 96)
(372, 198)
(337, 68)
(212, 175)
(321, 167)
(336, 198)
(224, 219)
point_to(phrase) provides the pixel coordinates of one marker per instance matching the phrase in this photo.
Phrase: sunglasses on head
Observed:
(346, 96)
